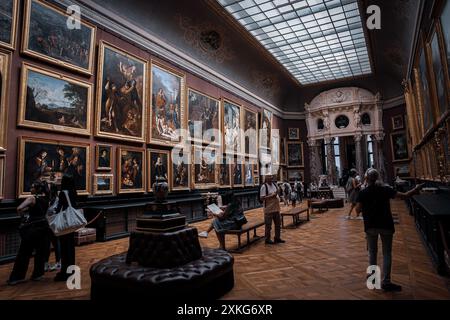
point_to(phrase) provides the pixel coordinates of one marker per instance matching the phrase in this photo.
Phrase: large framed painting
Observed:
(237, 172)
(249, 173)
(204, 167)
(47, 36)
(131, 170)
(250, 127)
(168, 105)
(158, 166)
(399, 145)
(181, 173)
(5, 59)
(294, 154)
(428, 117)
(266, 129)
(54, 102)
(121, 95)
(103, 157)
(276, 148)
(445, 27)
(50, 160)
(231, 128)
(293, 133)
(203, 118)
(224, 173)
(8, 23)
(438, 72)
(2, 175)
(283, 151)
(103, 184)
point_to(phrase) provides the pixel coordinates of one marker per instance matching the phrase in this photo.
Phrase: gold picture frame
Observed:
(398, 122)
(97, 186)
(204, 170)
(101, 85)
(294, 133)
(150, 170)
(46, 111)
(291, 163)
(399, 146)
(247, 115)
(181, 168)
(14, 17)
(249, 168)
(265, 134)
(237, 167)
(98, 151)
(47, 168)
(223, 162)
(225, 143)
(2, 175)
(46, 57)
(5, 59)
(182, 108)
(125, 176)
(275, 147)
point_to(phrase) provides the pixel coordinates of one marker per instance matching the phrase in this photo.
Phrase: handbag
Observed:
(68, 220)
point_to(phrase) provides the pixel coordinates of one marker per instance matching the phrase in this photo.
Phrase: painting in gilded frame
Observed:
(293, 133)
(237, 172)
(103, 184)
(204, 167)
(121, 96)
(294, 154)
(103, 157)
(181, 173)
(131, 171)
(398, 122)
(5, 59)
(158, 166)
(266, 129)
(224, 173)
(425, 89)
(8, 23)
(399, 145)
(250, 128)
(231, 129)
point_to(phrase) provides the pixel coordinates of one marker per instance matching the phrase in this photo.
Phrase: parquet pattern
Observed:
(325, 258)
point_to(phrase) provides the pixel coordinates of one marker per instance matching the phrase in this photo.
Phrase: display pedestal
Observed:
(161, 217)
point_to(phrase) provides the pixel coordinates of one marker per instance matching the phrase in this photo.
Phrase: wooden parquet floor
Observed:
(325, 258)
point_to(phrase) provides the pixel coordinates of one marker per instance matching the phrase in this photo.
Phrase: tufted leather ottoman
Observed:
(208, 277)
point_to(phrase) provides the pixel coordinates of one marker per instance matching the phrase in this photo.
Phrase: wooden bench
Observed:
(295, 214)
(246, 228)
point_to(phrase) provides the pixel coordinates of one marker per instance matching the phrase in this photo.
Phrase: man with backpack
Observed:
(268, 195)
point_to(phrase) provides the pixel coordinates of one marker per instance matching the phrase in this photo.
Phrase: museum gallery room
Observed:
(225, 149)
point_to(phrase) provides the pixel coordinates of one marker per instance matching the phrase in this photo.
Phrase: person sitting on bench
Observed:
(231, 218)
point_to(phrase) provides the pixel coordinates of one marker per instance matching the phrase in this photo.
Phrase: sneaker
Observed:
(279, 241)
(47, 267)
(348, 218)
(203, 234)
(14, 282)
(269, 242)
(359, 218)
(391, 287)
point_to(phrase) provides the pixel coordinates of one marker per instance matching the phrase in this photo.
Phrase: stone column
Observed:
(315, 163)
(331, 161)
(358, 151)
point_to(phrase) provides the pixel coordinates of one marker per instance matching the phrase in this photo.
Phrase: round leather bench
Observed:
(208, 277)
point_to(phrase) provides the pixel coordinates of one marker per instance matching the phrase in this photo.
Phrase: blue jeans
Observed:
(372, 246)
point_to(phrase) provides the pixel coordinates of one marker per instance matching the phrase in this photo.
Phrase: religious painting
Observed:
(167, 109)
(50, 160)
(237, 172)
(250, 127)
(401, 171)
(266, 129)
(231, 130)
(4, 83)
(283, 151)
(276, 148)
(425, 89)
(131, 170)
(158, 166)
(295, 175)
(439, 74)
(294, 154)
(2, 175)
(48, 37)
(203, 118)
(103, 184)
(121, 96)
(397, 122)
(204, 167)
(249, 177)
(103, 157)
(224, 173)
(445, 26)
(54, 102)
(8, 23)
(399, 145)
(293, 133)
(181, 173)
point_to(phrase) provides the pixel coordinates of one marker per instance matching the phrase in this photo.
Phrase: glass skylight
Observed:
(315, 40)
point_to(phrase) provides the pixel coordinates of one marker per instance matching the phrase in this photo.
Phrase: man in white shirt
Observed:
(269, 196)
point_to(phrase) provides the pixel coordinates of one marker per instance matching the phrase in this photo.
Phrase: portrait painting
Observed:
(266, 128)
(4, 90)
(54, 102)
(293, 133)
(8, 23)
(294, 154)
(283, 151)
(231, 127)
(439, 74)
(237, 172)
(167, 109)
(204, 167)
(224, 173)
(131, 170)
(2, 175)
(158, 167)
(276, 155)
(49, 160)
(203, 117)
(425, 88)
(103, 157)
(399, 146)
(181, 159)
(47, 36)
(103, 184)
(249, 174)
(121, 96)
(397, 122)
(250, 127)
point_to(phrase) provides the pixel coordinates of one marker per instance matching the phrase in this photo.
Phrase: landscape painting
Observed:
(204, 113)
(204, 167)
(231, 127)
(8, 22)
(250, 127)
(48, 37)
(294, 154)
(45, 160)
(180, 169)
(57, 103)
(121, 96)
(131, 170)
(103, 184)
(167, 110)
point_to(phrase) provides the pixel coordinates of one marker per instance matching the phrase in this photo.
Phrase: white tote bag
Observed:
(67, 221)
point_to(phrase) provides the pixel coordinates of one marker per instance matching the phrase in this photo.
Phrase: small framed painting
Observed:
(293, 133)
(401, 171)
(224, 173)
(181, 173)
(204, 168)
(103, 184)
(237, 169)
(103, 157)
(397, 122)
(131, 170)
(158, 166)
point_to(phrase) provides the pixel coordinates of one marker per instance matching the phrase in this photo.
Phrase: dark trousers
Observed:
(54, 240)
(372, 247)
(67, 243)
(36, 239)
(268, 217)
